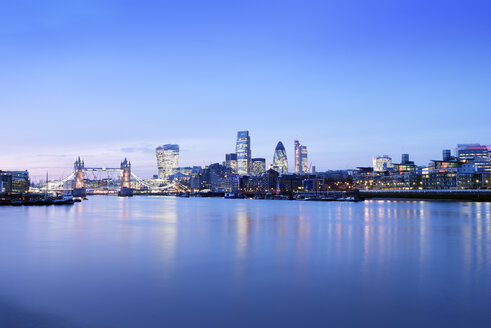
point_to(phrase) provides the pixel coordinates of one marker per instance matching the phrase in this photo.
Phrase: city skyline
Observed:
(412, 83)
(245, 163)
(151, 166)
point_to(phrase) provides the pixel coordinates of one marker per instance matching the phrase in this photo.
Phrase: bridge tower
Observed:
(79, 188)
(126, 190)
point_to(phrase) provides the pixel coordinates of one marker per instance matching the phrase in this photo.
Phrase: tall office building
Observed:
(280, 162)
(258, 166)
(382, 163)
(167, 159)
(301, 159)
(243, 151)
(297, 167)
(231, 162)
(304, 165)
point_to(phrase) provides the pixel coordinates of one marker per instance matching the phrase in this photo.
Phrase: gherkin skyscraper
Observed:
(280, 162)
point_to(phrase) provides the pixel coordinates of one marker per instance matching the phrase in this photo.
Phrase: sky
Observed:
(108, 79)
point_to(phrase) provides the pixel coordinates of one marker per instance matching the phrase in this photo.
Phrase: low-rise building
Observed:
(14, 181)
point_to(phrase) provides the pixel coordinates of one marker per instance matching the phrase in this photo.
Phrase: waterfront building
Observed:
(271, 180)
(364, 178)
(5, 183)
(313, 184)
(231, 162)
(167, 159)
(252, 184)
(482, 166)
(441, 175)
(258, 166)
(243, 151)
(14, 181)
(280, 161)
(290, 183)
(473, 152)
(301, 160)
(382, 163)
(406, 175)
(471, 169)
(265, 183)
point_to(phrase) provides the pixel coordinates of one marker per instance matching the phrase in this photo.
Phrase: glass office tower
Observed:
(167, 159)
(258, 166)
(280, 162)
(231, 162)
(301, 160)
(304, 165)
(243, 151)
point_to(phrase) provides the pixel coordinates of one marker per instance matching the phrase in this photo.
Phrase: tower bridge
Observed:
(78, 177)
(80, 169)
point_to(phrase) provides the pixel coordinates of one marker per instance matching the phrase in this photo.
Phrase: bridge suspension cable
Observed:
(174, 185)
(62, 181)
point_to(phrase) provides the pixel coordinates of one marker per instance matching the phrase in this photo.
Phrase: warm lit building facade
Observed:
(473, 152)
(258, 166)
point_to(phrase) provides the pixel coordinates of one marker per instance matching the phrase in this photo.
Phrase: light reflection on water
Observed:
(122, 262)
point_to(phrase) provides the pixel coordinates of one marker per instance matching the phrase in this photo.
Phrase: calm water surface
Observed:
(172, 262)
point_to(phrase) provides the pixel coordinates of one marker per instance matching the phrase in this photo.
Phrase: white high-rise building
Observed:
(382, 163)
(167, 159)
(301, 161)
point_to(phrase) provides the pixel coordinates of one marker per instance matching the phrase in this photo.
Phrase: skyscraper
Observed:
(301, 160)
(243, 150)
(297, 167)
(258, 166)
(280, 162)
(167, 159)
(231, 162)
(304, 165)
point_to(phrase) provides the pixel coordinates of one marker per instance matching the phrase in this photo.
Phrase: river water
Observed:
(201, 262)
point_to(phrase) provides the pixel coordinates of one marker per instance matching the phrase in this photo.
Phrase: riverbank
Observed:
(36, 199)
(466, 195)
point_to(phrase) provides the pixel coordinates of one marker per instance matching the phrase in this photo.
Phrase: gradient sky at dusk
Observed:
(350, 79)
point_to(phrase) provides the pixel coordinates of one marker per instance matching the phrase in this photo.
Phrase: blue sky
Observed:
(350, 79)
